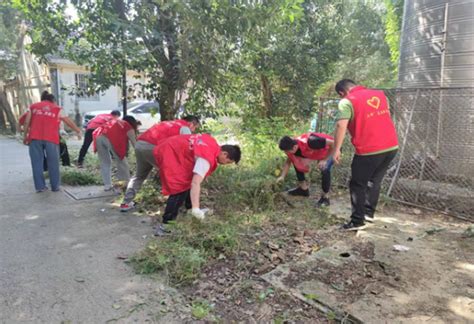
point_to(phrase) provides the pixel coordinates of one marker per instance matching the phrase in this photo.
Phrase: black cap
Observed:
(116, 113)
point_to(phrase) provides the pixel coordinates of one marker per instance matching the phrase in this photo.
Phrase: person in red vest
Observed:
(184, 161)
(41, 134)
(112, 138)
(301, 151)
(365, 114)
(63, 150)
(94, 123)
(146, 142)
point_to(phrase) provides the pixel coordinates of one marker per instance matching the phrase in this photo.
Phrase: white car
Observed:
(147, 112)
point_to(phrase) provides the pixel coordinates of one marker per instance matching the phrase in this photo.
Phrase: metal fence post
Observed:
(402, 149)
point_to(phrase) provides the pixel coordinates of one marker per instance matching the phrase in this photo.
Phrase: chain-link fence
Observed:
(434, 167)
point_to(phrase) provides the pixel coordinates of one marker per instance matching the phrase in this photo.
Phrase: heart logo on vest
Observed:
(374, 102)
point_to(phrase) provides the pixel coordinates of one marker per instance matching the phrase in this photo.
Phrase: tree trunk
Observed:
(267, 96)
(5, 107)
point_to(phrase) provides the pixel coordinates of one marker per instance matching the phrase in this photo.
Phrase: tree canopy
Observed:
(260, 58)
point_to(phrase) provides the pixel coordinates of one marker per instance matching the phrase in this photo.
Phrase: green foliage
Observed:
(392, 29)
(9, 31)
(74, 177)
(184, 252)
(200, 309)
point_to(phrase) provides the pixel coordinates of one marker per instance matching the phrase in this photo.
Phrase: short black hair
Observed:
(131, 120)
(45, 95)
(344, 85)
(233, 152)
(286, 143)
(116, 113)
(192, 119)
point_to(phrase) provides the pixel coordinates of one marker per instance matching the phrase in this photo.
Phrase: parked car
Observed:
(147, 112)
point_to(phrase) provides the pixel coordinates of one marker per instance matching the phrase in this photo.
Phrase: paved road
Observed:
(58, 256)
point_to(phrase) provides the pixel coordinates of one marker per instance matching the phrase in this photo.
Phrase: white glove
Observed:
(200, 213)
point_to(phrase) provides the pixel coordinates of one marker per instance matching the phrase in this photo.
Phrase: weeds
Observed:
(200, 309)
(247, 202)
(75, 177)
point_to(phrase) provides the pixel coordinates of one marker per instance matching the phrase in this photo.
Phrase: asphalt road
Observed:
(59, 257)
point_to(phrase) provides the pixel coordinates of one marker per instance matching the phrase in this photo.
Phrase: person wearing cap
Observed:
(94, 123)
(41, 134)
(146, 142)
(365, 114)
(184, 161)
(301, 151)
(112, 138)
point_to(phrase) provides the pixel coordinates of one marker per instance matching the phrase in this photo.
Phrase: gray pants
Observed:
(145, 163)
(104, 149)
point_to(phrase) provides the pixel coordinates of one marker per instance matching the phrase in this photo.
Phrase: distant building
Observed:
(59, 76)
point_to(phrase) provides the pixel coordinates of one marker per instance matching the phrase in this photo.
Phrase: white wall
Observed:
(107, 100)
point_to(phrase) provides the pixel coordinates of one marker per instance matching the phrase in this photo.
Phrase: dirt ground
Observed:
(365, 278)
(291, 274)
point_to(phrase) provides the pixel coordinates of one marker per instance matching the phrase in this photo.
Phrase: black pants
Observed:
(85, 145)
(325, 179)
(367, 172)
(174, 203)
(63, 154)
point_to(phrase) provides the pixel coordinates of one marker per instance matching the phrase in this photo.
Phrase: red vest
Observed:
(302, 164)
(45, 119)
(99, 120)
(163, 130)
(116, 131)
(371, 127)
(175, 158)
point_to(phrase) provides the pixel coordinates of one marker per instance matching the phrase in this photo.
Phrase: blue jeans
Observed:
(38, 149)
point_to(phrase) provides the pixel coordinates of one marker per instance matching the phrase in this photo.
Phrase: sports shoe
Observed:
(369, 218)
(161, 230)
(125, 207)
(108, 188)
(42, 190)
(298, 192)
(351, 226)
(323, 202)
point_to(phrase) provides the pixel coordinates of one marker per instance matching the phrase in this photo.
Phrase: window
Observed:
(82, 84)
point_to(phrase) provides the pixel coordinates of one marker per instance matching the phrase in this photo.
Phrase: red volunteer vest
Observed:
(116, 131)
(45, 119)
(302, 164)
(371, 126)
(175, 158)
(160, 131)
(99, 120)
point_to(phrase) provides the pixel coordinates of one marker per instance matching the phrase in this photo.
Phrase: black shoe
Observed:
(298, 192)
(323, 202)
(351, 226)
(369, 218)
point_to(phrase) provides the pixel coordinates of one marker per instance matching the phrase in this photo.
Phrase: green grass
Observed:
(74, 177)
(246, 200)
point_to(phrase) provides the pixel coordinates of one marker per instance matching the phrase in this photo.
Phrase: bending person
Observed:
(92, 125)
(146, 142)
(301, 151)
(112, 138)
(184, 162)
